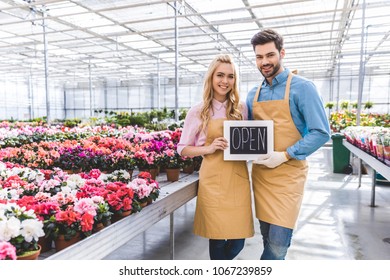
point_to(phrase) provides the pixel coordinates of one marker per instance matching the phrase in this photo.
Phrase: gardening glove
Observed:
(275, 159)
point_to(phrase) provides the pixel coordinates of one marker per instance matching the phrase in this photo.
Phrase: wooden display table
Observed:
(100, 244)
(377, 166)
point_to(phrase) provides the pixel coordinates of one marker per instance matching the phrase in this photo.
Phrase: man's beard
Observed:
(276, 69)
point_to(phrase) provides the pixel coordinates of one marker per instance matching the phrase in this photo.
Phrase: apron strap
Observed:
(287, 91)
(257, 95)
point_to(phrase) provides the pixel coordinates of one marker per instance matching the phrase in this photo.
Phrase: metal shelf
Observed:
(376, 165)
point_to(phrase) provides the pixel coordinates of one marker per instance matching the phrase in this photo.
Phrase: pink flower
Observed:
(85, 205)
(94, 173)
(7, 251)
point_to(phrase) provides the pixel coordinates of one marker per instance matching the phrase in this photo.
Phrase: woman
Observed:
(223, 210)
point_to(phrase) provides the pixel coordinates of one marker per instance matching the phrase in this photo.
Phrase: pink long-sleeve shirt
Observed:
(190, 135)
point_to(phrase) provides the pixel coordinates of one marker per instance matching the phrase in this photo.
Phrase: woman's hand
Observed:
(219, 143)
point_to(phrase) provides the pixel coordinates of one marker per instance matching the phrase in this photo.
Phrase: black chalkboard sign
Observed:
(248, 139)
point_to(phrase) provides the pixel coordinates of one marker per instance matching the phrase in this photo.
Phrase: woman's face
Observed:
(223, 81)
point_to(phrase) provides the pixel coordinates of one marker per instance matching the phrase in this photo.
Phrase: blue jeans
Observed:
(225, 249)
(276, 240)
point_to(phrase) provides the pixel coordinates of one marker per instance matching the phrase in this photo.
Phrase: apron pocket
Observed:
(209, 191)
(241, 188)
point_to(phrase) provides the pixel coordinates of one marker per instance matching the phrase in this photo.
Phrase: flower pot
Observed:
(30, 255)
(98, 227)
(143, 204)
(116, 217)
(45, 243)
(189, 169)
(61, 243)
(173, 174)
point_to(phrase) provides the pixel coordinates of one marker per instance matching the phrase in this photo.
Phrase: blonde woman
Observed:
(223, 211)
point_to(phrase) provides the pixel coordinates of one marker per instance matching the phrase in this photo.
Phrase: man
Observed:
(300, 128)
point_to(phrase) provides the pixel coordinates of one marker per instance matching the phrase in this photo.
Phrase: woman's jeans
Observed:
(276, 240)
(225, 249)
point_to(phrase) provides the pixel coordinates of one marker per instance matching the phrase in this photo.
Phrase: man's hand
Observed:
(275, 159)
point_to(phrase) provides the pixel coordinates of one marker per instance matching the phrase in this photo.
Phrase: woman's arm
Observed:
(219, 143)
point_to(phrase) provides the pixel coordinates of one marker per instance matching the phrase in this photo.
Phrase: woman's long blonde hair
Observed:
(233, 98)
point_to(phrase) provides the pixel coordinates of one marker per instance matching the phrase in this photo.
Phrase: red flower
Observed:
(68, 216)
(86, 222)
(144, 175)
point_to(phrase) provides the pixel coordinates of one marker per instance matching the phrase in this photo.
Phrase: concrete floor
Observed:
(336, 223)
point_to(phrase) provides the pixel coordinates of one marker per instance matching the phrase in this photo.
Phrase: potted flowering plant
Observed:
(188, 164)
(72, 221)
(123, 160)
(155, 192)
(171, 159)
(172, 162)
(144, 191)
(20, 227)
(103, 213)
(119, 198)
(65, 223)
(71, 158)
(118, 176)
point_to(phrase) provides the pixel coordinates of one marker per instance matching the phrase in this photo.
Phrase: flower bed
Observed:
(37, 203)
(36, 174)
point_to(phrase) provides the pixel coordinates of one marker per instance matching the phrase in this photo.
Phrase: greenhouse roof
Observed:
(123, 39)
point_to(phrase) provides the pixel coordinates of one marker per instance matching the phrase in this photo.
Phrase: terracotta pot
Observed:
(116, 217)
(45, 243)
(98, 227)
(173, 174)
(61, 243)
(143, 204)
(31, 255)
(189, 169)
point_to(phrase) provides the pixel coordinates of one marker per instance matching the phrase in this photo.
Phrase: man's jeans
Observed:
(276, 240)
(225, 249)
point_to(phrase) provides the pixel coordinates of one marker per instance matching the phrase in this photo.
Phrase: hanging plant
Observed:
(344, 104)
(329, 105)
(368, 105)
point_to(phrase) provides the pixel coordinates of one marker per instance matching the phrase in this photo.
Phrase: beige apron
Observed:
(278, 191)
(223, 207)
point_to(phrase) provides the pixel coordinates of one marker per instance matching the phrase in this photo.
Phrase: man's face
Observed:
(268, 60)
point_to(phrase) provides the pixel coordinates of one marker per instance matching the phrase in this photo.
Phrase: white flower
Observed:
(75, 181)
(9, 229)
(36, 176)
(32, 229)
(9, 194)
(47, 185)
(97, 199)
(2, 166)
(16, 170)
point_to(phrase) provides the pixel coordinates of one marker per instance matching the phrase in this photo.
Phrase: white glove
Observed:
(274, 159)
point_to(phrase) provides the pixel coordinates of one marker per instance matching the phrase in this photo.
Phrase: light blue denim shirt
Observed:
(306, 107)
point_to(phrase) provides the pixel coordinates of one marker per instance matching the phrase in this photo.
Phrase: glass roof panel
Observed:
(118, 33)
